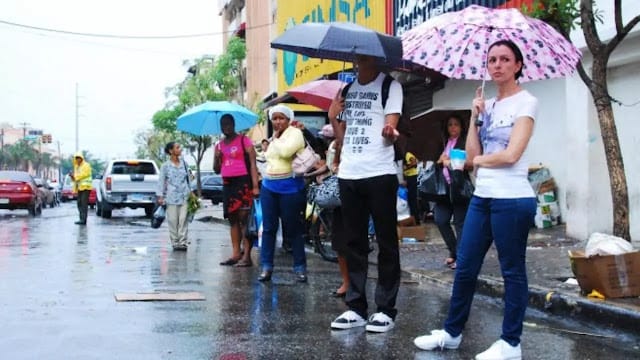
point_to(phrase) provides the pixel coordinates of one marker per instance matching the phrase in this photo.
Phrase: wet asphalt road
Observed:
(57, 285)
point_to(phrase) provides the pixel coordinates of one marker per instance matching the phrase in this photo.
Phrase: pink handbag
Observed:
(304, 160)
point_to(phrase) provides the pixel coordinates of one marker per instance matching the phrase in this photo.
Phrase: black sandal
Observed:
(229, 262)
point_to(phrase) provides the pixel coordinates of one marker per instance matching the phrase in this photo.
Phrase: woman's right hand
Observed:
(477, 105)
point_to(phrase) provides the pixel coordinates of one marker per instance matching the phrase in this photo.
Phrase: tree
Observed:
(20, 155)
(228, 73)
(564, 15)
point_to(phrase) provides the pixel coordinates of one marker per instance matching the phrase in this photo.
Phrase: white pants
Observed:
(177, 221)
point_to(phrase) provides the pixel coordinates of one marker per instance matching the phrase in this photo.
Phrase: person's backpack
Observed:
(403, 127)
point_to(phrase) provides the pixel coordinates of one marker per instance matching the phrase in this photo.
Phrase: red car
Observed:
(67, 190)
(19, 191)
(93, 198)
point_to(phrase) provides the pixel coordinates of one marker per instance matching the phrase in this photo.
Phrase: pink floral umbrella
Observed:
(456, 43)
(318, 93)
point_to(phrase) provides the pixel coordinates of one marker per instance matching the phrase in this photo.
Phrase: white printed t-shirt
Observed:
(509, 182)
(365, 153)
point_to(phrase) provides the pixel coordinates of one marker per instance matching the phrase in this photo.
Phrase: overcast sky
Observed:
(121, 82)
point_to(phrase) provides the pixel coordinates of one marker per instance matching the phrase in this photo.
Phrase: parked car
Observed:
(67, 190)
(18, 190)
(127, 183)
(48, 196)
(211, 188)
(55, 187)
(93, 195)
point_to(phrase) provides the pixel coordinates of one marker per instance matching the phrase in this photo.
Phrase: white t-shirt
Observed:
(365, 153)
(508, 182)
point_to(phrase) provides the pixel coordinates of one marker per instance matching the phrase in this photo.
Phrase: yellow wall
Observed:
(294, 69)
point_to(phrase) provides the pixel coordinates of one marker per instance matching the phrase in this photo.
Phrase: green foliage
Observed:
(563, 15)
(227, 73)
(18, 156)
(165, 119)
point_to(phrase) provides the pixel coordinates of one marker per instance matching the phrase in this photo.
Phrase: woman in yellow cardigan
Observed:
(282, 195)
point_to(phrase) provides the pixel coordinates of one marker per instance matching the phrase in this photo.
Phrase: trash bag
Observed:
(159, 215)
(603, 244)
(432, 185)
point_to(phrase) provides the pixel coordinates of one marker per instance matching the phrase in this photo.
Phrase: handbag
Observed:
(432, 184)
(252, 229)
(304, 160)
(159, 214)
(327, 194)
(461, 188)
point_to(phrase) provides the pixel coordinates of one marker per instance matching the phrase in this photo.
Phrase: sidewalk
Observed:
(547, 264)
(548, 267)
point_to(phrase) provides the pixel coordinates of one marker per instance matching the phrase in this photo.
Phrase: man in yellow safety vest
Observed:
(81, 177)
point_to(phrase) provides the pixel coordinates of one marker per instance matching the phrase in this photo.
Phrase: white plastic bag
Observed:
(603, 244)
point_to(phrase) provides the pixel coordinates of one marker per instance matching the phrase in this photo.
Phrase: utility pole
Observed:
(77, 120)
(59, 165)
(2, 159)
(24, 129)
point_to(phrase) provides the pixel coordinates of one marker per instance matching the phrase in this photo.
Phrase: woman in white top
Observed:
(502, 208)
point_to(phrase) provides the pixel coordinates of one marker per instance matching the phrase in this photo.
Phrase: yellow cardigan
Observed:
(281, 152)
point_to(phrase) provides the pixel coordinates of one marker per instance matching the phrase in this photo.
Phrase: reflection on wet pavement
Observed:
(57, 283)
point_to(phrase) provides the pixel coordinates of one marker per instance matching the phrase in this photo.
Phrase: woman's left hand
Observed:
(256, 192)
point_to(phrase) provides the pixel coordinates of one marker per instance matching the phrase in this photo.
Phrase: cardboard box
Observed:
(614, 276)
(412, 232)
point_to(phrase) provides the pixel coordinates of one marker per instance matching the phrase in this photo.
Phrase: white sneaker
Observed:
(501, 350)
(379, 322)
(438, 339)
(348, 320)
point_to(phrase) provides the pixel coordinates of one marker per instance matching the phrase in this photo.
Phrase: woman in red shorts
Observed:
(235, 159)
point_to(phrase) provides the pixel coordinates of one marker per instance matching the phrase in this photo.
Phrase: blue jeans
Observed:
(289, 208)
(505, 222)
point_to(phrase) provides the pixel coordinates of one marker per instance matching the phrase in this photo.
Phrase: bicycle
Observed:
(318, 224)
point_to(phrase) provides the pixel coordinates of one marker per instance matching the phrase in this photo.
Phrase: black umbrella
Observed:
(340, 41)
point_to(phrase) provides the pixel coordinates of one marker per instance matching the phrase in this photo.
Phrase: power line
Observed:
(129, 37)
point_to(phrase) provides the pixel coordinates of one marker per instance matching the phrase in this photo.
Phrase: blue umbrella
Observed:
(339, 41)
(204, 119)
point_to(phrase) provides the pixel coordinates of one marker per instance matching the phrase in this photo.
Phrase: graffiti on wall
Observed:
(294, 69)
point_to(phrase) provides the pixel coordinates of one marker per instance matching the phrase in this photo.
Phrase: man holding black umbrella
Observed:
(365, 124)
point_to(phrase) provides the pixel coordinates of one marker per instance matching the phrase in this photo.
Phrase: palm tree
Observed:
(20, 155)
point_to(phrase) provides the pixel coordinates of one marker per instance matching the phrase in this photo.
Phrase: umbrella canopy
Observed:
(204, 119)
(456, 44)
(318, 93)
(339, 41)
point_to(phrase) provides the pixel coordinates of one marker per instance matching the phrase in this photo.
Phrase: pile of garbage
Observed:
(607, 268)
(548, 211)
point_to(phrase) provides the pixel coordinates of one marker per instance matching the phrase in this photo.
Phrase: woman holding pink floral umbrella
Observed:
(502, 208)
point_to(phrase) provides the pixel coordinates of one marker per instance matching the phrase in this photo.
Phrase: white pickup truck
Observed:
(127, 183)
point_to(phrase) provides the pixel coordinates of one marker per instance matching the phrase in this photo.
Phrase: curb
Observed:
(552, 302)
